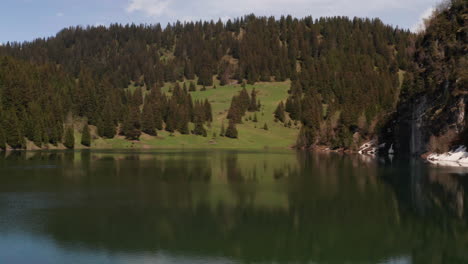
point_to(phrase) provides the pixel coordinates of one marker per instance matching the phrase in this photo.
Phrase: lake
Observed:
(220, 206)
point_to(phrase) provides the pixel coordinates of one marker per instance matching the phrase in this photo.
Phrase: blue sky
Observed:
(29, 19)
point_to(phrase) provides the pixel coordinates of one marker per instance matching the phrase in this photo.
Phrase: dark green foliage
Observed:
(205, 77)
(12, 129)
(254, 105)
(106, 125)
(350, 66)
(239, 106)
(86, 136)
(223, 130)
(132, 124)
(137, 98)
(69, 141)
(231, 131)
(148, 120)
(208, 112)
(306, 138)
(265, 126)
(2, 138)
(192, 87)
(279, 112)
(199, 129)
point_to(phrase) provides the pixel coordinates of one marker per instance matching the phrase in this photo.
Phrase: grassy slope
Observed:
(251, 135)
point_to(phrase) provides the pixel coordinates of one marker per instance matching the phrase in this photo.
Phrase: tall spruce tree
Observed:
(132, 124)
(208, 112)
(253, 106)
(106, 125)
(86, 136)
(223, 130)
(279, 112)
(148, 120)
(69, 141)
(2, 138)
(12, 129)
(231, 131)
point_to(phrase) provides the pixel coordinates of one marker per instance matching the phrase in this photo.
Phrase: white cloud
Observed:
(420, 26)
(185, 10)
(60, 14)
(152, 8)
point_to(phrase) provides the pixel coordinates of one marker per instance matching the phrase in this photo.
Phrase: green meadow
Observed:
(251, 134)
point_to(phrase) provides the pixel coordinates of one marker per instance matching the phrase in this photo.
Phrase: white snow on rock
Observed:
(368, 148)
(457, 157)
(391, 150)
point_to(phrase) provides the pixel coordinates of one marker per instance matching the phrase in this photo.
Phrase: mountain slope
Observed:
(431, 114)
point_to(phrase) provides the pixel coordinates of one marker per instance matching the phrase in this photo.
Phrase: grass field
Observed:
(251, 135)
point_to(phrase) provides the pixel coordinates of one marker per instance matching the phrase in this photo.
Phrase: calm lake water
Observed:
(229, 207)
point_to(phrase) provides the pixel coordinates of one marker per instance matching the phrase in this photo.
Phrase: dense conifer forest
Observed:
(346, 76)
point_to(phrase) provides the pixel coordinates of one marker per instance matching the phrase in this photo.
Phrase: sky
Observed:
(25, 20)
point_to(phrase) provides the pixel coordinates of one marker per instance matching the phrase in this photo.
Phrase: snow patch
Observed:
(368, 148)
(457, 157)
(391, 150)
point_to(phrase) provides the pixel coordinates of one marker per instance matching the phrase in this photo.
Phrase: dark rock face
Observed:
(427, 124)
(431, 112)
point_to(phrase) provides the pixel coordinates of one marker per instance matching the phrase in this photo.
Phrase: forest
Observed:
(345, 77)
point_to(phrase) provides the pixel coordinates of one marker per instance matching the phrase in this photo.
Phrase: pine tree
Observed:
(231, 131)
(199, 129)
(222, 132)
(265, 127)
(131, 125)
(244, 100)
(208, 112)
(182, 119)
(279, 112)
(2, 138)
(192, 87)
(137, 97)
(69, 141)
(86, 136)
(148, 120)
(255, 119)
(13, 134)
(253, 101)
(106, 126)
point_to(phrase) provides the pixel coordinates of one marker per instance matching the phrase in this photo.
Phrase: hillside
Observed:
(335, 77)
(251, 134)
(431, 114)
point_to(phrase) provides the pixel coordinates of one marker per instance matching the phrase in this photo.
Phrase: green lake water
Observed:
(216, 206)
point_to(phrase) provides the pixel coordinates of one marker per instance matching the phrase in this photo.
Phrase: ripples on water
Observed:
(229, 207)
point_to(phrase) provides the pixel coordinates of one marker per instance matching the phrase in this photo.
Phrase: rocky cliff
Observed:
(430, 115)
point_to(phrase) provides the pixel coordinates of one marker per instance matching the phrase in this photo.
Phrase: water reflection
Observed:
(229, 207)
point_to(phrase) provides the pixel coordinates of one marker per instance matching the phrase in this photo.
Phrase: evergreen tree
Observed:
(279, 112)
(244, 100)
(148, 120)
(199, 129)
(69, 141)
(131, 125)
(86, 136)
(13, 134)
(306, 137)
(2, 138)
(207, 111)
(222, 132)
(137, 98)
(265, 127)
(192, 87)
(253, 106)
(106, 125)
(231, 131)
